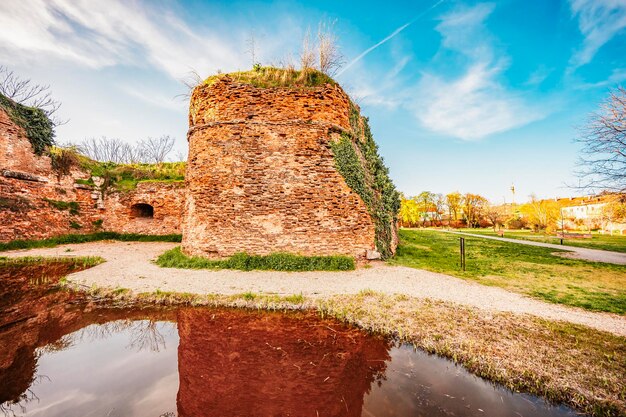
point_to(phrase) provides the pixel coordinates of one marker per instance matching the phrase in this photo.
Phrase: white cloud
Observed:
(599, 21)
(382, 93)
(101, 34)
(475, 104)
(157, 99)
(463, 30)
(472, 106)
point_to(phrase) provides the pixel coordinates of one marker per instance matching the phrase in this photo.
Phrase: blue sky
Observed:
(461, 95)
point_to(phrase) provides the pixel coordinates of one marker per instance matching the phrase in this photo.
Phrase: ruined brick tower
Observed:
(261, 175)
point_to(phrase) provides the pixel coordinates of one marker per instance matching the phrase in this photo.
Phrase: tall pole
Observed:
(462, 252)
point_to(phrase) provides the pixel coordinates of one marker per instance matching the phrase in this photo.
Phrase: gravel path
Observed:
(574, 252)
(129, 266)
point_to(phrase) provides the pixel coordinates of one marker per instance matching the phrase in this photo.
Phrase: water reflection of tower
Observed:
(239, 363)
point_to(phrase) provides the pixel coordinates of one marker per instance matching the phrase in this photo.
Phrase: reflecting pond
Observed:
(63, 356)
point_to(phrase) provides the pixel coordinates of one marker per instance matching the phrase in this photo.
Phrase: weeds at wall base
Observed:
(84, 238)
(175, 258)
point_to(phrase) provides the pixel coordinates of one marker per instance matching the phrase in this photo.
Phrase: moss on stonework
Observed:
(72, 206)
(358, 161)
(268, 77)
(35, 122)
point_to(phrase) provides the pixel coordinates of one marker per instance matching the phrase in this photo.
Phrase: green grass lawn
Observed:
(616, 243)
(529, 270)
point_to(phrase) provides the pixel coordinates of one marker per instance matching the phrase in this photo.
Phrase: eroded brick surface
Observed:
(261, 176)
(27, 181)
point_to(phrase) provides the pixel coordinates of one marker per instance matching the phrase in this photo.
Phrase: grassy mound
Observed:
(175, 258)
(92, 237)
(121, 177)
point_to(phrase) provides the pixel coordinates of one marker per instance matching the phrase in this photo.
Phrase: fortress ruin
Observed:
(263, 175)
(282, 164)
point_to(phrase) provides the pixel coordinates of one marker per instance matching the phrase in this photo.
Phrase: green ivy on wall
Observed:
(358, 161)
(39, 129)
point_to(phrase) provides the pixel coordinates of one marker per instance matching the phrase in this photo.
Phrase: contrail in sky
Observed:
(394, 33)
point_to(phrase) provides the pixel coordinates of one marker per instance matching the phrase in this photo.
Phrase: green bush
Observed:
(75, 225)
(35, 122)
(175, 258)
(92, 237)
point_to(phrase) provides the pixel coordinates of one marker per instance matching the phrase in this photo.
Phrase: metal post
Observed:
(462, 248)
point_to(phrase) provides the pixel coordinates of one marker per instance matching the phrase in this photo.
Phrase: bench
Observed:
(500, 233)
(561, 235)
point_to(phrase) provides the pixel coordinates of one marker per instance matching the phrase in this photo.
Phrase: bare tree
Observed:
(307, 54)
(180, 156)
(494, 214)
(190, 81)
(251, 49)
(330, 57)
(105, 149)
(29, 94)
(602, 164)
(155, 150)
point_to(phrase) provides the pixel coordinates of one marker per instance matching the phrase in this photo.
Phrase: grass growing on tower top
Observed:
(269, 77)
(175, 258)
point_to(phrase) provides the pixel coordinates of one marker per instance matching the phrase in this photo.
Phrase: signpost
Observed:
(462, 248)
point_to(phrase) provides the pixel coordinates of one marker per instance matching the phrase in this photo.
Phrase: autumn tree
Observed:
(603, 155)
(425, 201)
(409, 212)
(614, 211)
(541, 214)
(453, 202)
(473, 208)
(439, 203)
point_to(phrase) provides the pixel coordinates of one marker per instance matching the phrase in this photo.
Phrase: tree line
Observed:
(458, 210)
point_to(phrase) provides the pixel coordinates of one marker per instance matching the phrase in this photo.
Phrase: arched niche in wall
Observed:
(142, 210)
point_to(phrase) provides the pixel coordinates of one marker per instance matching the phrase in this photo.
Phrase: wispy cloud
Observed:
(475, 104)
(386, 39)
(598, 21)
(156, 99)
(101, 34)
(472, 106)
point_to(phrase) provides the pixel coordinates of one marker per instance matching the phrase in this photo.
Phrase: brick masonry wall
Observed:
(167, 200)
(27, 180)
(227, 100)
(261, 176)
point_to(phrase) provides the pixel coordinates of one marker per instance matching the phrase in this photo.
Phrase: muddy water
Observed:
(62, 356)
